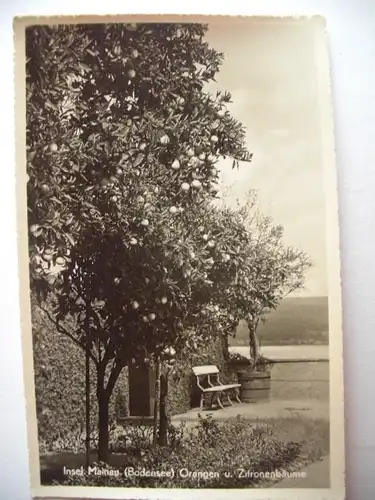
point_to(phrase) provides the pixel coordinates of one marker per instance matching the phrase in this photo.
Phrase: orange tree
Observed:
(135, 301)
(117, 114)
(122, 143)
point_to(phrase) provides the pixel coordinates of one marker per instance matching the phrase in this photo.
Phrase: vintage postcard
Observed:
(179, 257)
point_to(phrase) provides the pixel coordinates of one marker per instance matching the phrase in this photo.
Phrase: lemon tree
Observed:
(270, 270)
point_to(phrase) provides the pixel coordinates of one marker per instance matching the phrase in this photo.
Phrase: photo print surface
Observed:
(179, 250)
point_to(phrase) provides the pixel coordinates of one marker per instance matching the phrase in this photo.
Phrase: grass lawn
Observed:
(313, 435)
(258, 445)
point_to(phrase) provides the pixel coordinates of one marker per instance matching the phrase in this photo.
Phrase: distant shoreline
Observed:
(298, 320)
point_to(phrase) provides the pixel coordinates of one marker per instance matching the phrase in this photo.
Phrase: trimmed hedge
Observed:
(59, 375)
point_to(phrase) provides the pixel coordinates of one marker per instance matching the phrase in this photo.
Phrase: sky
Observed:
(270, 71)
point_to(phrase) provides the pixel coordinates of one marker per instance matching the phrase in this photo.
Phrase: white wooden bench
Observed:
(208, 382)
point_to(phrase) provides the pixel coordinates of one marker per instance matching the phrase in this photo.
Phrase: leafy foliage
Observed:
(211, 448)
(269, 271)
(109, 119)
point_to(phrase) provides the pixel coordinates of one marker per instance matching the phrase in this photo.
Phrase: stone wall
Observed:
(300, 379)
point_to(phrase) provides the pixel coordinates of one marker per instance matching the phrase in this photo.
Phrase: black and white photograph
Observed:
(179, 257)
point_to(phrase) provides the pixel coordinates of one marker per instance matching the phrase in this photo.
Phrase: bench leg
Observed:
(219, 401)
(201, 401)
(237, 395)
(228, 398)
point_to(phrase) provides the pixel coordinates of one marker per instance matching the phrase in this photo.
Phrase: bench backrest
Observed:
(205, 370)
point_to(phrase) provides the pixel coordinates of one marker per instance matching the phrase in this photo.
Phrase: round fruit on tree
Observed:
(131, 74)
(185, 186)
(164, 139)
(175, 165)
(47, 257)
(196, 184)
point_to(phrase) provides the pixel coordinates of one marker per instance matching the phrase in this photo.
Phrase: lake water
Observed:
(288, 351)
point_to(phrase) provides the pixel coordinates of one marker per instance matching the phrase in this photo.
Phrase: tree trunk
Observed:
(163, 425)
(156, 403)
(104, 395)
(103, 447)
(253, 340)
(88, 423)
(225, 347)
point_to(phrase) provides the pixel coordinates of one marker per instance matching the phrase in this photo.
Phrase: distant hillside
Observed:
(298, 320)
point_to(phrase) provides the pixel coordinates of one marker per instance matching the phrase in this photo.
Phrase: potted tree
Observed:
(269, 272)
(255, 380)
